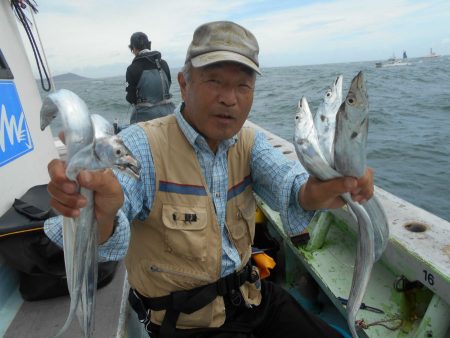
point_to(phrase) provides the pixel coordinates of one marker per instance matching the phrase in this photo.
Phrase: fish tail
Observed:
(72, 312)
(90, 285)
(365, 256)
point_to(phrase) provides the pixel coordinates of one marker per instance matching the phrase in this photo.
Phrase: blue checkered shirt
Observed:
(275, 179)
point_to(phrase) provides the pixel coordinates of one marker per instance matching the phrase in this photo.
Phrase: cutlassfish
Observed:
(325, 123)
(310, 155)
(325, 119)
(92, 146)
(352, 124)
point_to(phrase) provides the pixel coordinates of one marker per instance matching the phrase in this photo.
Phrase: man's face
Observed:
(218, 99)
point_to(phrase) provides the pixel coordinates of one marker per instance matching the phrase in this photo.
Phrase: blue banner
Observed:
(15, 138)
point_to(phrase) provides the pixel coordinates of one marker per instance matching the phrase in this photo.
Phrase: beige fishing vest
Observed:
(178, 247)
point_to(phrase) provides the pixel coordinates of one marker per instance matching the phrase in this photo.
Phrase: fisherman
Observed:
(186, 227)
(148, 81)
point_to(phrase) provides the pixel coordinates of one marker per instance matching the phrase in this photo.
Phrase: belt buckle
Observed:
(254, 274)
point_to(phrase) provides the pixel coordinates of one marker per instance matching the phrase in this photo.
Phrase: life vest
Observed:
(178, 247)
(153, 86)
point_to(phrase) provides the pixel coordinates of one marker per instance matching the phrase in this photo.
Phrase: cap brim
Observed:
(223, 56)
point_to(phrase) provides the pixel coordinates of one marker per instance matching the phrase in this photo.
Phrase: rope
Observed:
(361, 323)
(18, 7)
(43, 51)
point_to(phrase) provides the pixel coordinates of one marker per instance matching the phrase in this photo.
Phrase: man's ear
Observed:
(182, 83)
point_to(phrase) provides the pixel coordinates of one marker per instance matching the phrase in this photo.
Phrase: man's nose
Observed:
(228, 96)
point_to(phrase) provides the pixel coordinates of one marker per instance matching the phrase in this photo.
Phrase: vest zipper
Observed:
(154, 268)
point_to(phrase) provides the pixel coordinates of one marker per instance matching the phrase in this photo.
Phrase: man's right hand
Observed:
(65, 199)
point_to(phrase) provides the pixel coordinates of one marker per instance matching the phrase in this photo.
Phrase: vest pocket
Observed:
(244, 224)
(185, 231)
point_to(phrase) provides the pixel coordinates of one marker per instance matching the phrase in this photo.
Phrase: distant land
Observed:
(69, 77)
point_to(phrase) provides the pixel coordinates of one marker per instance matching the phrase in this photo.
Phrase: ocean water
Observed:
(409, 119)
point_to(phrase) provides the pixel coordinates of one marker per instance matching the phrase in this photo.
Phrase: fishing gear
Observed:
(362, 307)
(18, 6)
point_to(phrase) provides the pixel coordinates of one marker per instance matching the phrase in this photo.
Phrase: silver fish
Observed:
(350, 159)
(350, 152)
(325, 119)
(309, 153)
(307, 145)
(84, 151)
(352, 125)
(325, 123)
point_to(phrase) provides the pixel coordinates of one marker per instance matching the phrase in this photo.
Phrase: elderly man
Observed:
(186, 227)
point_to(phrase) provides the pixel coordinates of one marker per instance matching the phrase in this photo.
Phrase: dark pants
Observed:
(278, 315)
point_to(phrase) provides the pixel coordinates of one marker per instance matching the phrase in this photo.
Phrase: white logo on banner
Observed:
(12, 131)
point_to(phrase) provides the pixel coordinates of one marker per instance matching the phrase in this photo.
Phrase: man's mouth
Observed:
(224, 116)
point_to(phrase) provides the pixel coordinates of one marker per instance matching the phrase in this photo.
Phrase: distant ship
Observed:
(432, 54)
(394, 61)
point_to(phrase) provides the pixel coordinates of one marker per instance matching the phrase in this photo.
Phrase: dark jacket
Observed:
(144, 61)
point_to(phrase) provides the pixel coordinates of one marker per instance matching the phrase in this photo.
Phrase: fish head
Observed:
(337, 89)
(357, 101)
(333, 95)
(303, 121)
(111, 151)
(49, 111)
(77, 125)
(326, 113)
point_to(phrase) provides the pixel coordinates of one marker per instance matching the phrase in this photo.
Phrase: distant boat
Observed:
(432, 54)
(394, 61)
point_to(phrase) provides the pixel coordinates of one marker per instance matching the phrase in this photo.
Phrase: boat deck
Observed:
(43, 319)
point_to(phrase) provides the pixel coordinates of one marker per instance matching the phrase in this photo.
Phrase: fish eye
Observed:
(350, 100)
(328, 94)
(118, 152)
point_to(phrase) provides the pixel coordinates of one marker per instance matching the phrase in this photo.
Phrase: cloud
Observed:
(326, 27)
(91, 34)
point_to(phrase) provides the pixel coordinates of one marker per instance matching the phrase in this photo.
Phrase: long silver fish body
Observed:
(84, 151)
(350, 152)
(380, 223)
(309, 153)
(79, 137)
(325, 119)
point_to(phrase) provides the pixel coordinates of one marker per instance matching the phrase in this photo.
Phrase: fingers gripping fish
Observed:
(84, 151)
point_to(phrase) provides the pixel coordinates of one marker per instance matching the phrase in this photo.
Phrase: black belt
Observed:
(189, 301)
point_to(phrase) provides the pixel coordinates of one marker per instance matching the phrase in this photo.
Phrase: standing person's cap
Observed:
(139, 40)
(223, 41)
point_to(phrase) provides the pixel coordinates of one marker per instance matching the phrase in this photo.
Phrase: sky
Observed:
(90, 38)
